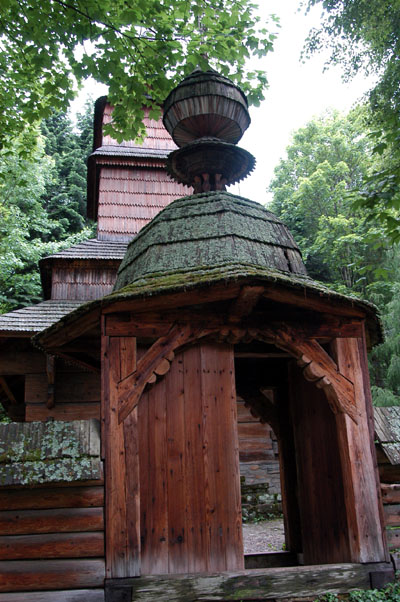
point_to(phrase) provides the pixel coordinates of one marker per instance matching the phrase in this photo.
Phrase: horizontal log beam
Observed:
(63, 520)
(56, 497)
(83, 595)
(256, 584)
(17, 575)
(53, 545)
(390, 494)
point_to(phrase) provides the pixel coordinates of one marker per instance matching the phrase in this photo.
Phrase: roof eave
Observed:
(303, 294)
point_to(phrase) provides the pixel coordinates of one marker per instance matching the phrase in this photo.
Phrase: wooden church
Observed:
(120, 478)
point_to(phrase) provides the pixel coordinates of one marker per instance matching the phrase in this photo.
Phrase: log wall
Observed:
(76, 394)
(52, 539)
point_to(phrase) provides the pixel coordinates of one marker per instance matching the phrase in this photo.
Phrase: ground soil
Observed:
(266, 536)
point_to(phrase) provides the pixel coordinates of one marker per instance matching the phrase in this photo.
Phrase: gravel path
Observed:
(268, 536)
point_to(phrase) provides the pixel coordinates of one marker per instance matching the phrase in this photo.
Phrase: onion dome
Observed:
(206, 103)
(206, 114)
(207, 232)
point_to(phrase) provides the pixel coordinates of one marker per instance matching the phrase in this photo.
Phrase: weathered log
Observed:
(53, 545)
(256, 584)
(56, 497)
(64, 520)
(75, 595)
(16, 575)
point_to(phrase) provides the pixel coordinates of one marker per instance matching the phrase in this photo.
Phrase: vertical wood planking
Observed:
(158, 479)
(189, 466)
(226, 423)
(361, 499)
(122, 469)
(288, 473)
(177, 531)
(194, 492)
(215, 551)
(362, 349)
(320, 488)
(145, 485)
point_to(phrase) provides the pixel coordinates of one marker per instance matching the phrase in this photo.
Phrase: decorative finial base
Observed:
(209, 164)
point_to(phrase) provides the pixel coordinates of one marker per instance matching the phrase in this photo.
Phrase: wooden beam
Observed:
(64, 335)
(10, 395)
(86, 363)
(122, 508)
(313, 302)
(245, 303)
(50, 371)
(209, 294)
(256, 584)
(51, 574)
(21, 362)
(366, 535)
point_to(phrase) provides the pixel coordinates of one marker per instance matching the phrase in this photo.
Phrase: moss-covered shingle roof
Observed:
(209, 230)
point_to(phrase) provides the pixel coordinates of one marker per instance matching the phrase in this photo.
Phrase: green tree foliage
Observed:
(365, 36)
(326, 159)
(31, 227)
(137, 48)
(65, 195)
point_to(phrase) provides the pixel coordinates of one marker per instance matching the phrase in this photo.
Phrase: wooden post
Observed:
(366, 534)
(121, 463)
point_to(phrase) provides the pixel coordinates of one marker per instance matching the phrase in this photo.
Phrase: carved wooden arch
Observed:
(317, 365)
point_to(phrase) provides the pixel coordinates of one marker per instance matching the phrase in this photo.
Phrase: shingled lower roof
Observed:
(387, 431)
(110, 150)
(93, 249)
(36, 317)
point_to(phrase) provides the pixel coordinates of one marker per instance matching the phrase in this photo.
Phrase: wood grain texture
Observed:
(256, 584)
(56, 497)
(189, 483)
(390, 493)
(78, 387)
(75, 595)
(65, 520)
(53, 545)
(392, 514)
(132, 386)
(177, 502)
(62, 411)
(320, 489)
(36, 575)
(366, 534)
(122, 471)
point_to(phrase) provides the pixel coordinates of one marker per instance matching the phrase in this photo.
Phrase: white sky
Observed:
(297, 92)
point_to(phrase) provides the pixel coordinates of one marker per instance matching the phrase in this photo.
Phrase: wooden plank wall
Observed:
(76, 394)
(189, 485)
(190, 506)
(82, 284)
(52, 539)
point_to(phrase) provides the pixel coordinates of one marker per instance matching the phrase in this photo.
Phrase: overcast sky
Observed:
(297, 92)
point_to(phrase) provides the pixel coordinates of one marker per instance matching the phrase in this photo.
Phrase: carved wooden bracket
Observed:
(155, 362)
(318, 367)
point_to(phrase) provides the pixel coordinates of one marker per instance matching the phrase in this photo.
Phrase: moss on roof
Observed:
(36, 452)
(210, 229)
(203, 277)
